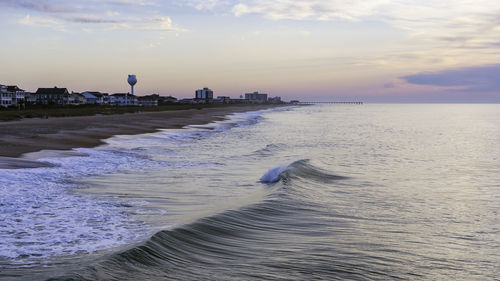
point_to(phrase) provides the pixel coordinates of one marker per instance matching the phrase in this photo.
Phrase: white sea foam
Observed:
(42, 217)
(274, 174)
(190, 132)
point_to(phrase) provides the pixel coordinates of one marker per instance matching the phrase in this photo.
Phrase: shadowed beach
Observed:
(65, 133)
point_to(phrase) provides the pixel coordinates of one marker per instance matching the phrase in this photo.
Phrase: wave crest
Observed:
(300, 169)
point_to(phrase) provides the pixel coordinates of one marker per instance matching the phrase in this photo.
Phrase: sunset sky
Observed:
(373, 50)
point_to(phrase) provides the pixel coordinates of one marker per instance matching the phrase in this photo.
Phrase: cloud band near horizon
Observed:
(468, 79)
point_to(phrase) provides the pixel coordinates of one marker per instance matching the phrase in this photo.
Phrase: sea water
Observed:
(296, 193)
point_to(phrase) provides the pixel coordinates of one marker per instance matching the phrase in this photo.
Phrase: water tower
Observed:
(131, 80)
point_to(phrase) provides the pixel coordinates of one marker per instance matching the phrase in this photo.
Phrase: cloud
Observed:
(310, 10)
(165, 23)
(205, 4)
(37, 5)
(91, 20)
(132, 3)
(468, 79)
(29, 20)
(112, 13)
(109, 15)
(404, 12)
(472, 24)
(44, 22)
(389, 85)
(154, 24)
(438, 33)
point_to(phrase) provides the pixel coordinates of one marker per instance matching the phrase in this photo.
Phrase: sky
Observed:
(316, 50)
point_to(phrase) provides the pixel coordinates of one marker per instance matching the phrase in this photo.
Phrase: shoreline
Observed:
(29, 136)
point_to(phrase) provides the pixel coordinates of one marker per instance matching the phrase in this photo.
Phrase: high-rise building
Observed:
(204, 94)
(256, 97)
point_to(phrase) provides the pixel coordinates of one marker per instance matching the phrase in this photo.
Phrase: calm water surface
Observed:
(330, 192)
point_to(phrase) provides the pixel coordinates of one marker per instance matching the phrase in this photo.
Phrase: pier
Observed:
(330, 102)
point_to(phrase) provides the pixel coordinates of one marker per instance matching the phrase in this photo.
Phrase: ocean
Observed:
(321, 192)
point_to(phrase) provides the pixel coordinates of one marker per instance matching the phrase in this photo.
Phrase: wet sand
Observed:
(32, 135)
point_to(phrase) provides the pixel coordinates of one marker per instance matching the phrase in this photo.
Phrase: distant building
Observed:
(155, 100)
(274, 100)
(186, 101)
(256, 97)
(94, 97)
(18, 95)
(5, 97)
(102, 98)
(238, 101)
(222, 99)
(30, 98)
(149, 100)
(76, 99)
(122, 99)
(204, 94)
(12, 96)
(59, 96)
(167, 99)
(90, 98)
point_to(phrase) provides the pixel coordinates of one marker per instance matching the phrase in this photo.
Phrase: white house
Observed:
(11, 96)
(123, 99)
(5, 96)
(76, 99)
(18, 95)
(94, 97)
(90, 98)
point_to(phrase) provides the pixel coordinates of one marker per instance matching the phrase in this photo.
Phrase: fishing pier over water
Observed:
(330, 102)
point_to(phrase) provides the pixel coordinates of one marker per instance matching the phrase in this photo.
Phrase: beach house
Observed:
(52, 96)
(30, 98)
(76, 99)
(18, 95)
(121, 99)
(90, 98)
(102, 98)
(149, 100)
(5, 97)
(11, 96)
(94, 97)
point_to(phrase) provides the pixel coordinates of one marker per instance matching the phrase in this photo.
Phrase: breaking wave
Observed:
(298, 169)
(209, 246)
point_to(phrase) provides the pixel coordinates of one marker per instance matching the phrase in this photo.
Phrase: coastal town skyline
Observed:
(378, 51)
(14, 97)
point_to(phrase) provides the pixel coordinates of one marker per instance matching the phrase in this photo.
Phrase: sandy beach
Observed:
(18, 138)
